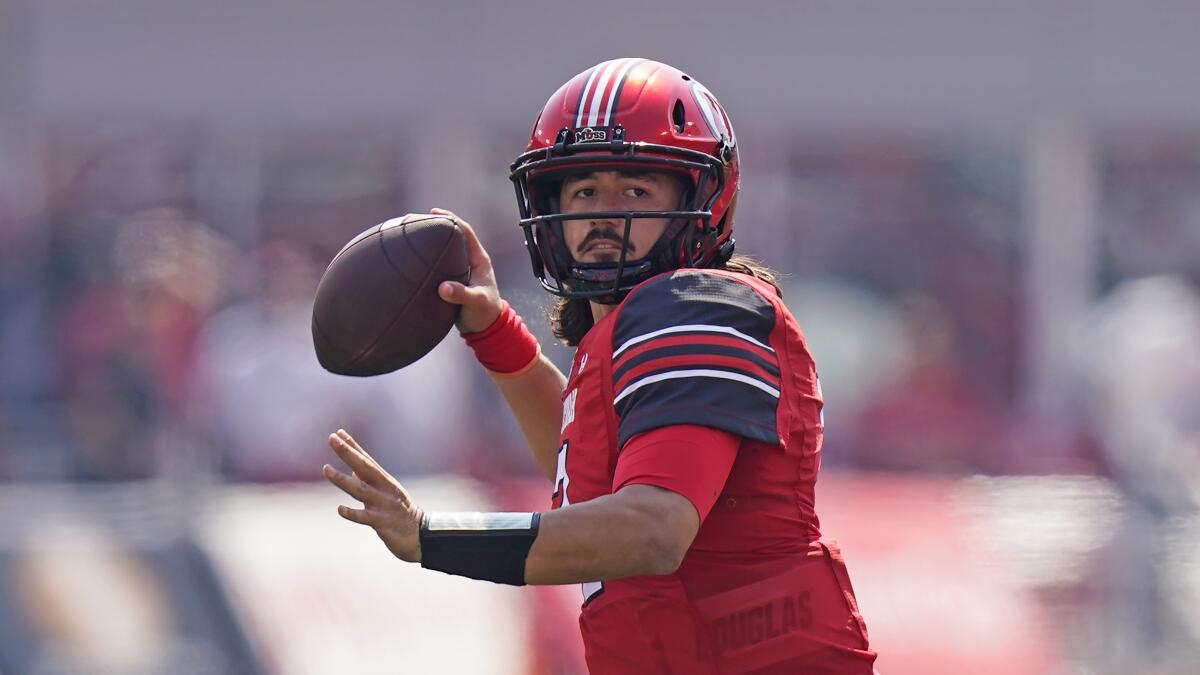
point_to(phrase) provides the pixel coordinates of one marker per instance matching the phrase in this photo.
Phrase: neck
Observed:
(600, 311)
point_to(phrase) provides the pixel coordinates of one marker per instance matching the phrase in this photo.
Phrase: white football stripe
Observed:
(691, 327)
(605, 78)
(472, 521)
(678, 374)
(608, 112)
(583, 98)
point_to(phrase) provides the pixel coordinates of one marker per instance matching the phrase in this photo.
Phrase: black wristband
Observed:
(486, 546)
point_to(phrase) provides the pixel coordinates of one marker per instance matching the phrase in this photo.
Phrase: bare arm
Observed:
(535, 396)
(639, 530)
(642, 528)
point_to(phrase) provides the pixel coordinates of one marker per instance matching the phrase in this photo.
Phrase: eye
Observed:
(635, 192)
(585, 192)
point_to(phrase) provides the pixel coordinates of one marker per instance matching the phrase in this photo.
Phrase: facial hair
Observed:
(603, 234)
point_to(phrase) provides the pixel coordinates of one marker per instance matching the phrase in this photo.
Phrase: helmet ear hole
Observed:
(677, 116)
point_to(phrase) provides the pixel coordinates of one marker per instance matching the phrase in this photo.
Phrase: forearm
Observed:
(640, 530)
(535, 398)
(606, 538)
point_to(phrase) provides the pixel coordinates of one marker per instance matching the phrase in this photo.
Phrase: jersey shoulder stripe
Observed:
(689, 328)
(767, 375)
(693, 347)
(692, 343)
(701, 372)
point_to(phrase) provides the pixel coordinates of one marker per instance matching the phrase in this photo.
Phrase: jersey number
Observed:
(561, 479)
(561, 482)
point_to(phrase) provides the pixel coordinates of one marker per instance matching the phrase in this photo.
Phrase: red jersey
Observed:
(758, 591)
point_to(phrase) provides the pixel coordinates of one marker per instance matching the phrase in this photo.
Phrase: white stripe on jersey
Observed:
(691, 327)
(678, 374)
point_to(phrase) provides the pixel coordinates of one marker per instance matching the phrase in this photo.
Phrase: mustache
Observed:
(602, 233)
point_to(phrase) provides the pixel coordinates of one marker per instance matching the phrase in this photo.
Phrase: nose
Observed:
(609, 223)
(607, 201)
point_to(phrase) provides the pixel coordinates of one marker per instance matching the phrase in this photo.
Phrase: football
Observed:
(377, 308)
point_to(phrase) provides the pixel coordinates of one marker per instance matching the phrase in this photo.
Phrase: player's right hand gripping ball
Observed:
(377, 307)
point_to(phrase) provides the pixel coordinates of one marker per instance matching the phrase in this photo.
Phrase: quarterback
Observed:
(684, 444)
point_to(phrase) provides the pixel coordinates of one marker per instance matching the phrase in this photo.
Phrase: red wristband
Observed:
(506, 347)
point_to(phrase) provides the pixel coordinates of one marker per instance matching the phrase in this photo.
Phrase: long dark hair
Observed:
(571, 318)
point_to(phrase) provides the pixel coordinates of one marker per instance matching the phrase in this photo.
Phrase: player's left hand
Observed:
(387, 506)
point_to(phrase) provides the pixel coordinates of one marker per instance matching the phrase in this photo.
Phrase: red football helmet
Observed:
(629, 114)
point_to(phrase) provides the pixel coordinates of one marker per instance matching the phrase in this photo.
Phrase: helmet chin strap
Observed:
(724, 253)
(608, 273)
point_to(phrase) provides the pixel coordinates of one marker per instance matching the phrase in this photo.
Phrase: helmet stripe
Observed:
(583, 95)
(614, 97)
(598, 92)
(610, 82)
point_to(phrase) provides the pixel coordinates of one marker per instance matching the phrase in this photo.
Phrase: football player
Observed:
(684, 444)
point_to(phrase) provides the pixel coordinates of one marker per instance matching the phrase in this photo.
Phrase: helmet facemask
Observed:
(689, 239)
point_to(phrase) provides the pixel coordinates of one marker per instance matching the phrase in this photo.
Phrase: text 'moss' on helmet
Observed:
(632, 115)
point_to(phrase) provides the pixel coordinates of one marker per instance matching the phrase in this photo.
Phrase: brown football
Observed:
(377, 307)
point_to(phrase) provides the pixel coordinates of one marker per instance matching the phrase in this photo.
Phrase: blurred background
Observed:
(989, 218)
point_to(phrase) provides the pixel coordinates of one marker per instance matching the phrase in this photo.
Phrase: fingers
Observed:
(476, 254)
(458, 294)
(359, 490)
(360, 462)
(358, 449)
(355, 487)
(360, 516)
(345, 436)
(452, 292)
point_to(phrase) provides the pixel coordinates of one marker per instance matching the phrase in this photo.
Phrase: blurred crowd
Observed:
(155, 319)
(138, 338)
(155, 305)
